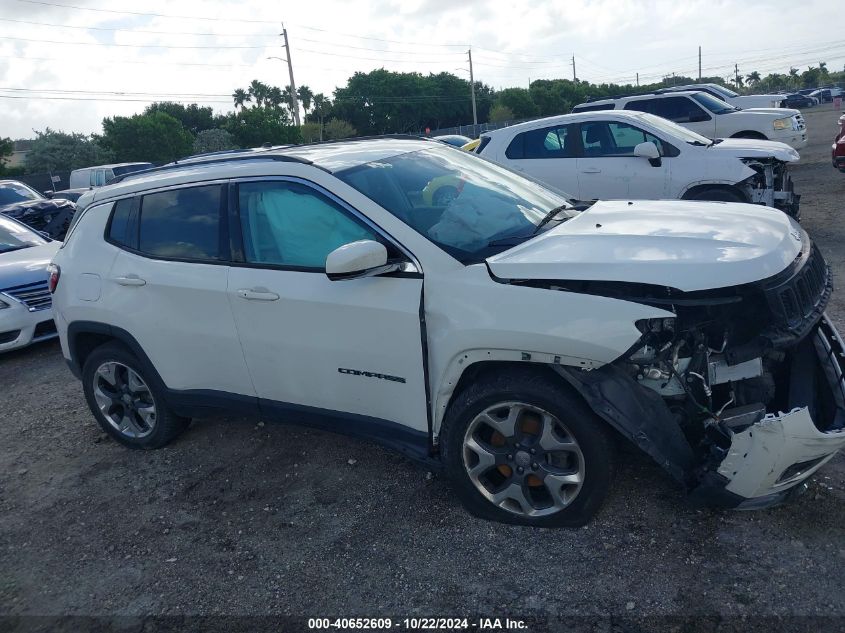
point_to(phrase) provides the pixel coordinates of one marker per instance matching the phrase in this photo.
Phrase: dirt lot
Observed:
(239, 517)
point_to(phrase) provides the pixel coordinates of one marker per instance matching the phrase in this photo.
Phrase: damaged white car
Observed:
(500, 334)
(622, 155)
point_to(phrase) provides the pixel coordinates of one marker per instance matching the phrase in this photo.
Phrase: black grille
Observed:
(804, 295)
(8, 337)
(35, 296)
(45, 328)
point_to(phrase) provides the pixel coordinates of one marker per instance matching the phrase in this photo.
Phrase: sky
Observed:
(61, 61)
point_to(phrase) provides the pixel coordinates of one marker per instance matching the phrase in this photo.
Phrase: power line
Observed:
(116, 30)
(149, 15)
(127, 61)
(115, 92)
(168, 46)
(111, 100)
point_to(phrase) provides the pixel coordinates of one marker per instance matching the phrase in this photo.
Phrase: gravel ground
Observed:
(242, 518)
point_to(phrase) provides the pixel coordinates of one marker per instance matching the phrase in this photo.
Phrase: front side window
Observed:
(290, 224)
(470, 208)
(678, 109)
(713, 104)
(182, 223)
(611, 138)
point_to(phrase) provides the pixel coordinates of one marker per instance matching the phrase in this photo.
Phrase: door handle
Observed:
(591, 170)
(130, 280)
(258, 294)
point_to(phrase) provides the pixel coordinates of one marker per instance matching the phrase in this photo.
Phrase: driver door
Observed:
(334, 349)
(609, 170)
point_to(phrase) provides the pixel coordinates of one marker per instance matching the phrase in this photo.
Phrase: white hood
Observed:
(684, 245)
(754, 148)
(27, 265)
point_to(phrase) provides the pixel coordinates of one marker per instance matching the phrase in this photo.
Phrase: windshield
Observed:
(716, 106)
(675, 130)
(15, 236)
(460, 202)
(15, 192)
(723, 91)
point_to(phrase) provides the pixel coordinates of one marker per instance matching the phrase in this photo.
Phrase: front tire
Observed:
(127, 403)
(520, 448)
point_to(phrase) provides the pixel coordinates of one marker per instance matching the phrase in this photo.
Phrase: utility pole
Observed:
(638, 80)
(574, 76)
(736, 75)
(472, 89)
(699, 64)
(294, 102)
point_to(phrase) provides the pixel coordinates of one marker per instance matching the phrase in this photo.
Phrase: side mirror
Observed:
(649, 150)
(365, 258)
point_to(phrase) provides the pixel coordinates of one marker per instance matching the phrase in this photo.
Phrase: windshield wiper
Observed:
(513, 239)
(549, 217)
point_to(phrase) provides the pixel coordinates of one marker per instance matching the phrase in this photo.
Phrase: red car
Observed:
(839, 146)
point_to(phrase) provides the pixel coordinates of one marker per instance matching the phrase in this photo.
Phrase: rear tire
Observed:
(520, 448)
(128, 404)
(716, 194)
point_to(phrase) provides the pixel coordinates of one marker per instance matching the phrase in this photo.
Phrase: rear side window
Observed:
(119, 223)
(547, 142)
(182, 223)
(677, 109)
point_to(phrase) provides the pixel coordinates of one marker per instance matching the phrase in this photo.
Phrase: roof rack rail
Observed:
(258, 153)
(212, 160)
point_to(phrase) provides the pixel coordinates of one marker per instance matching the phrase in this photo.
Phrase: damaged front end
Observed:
(741, 396)
(771, 185)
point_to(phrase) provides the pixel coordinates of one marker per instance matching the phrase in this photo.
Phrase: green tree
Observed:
(193, 117)
(156, 137)
(240, 97)
(216, 140)
(59, 151)
(752, 79)
(519, 101)
(337, 128)
(500, 113)
(253, 127)
(306, 98)
(258, 93)
(7, 148)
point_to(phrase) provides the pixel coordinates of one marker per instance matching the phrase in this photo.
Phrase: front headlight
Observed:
(783, 124)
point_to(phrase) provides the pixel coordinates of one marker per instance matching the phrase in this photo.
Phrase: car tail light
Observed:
(55, 274)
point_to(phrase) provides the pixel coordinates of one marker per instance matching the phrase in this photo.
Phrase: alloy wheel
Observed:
(523, 459)
(124, 399)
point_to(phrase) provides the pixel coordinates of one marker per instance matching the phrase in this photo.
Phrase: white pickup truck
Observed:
(729, 96)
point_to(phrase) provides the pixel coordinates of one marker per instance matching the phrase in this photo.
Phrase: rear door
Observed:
(548, 154)
(608, 168)
(167, 287)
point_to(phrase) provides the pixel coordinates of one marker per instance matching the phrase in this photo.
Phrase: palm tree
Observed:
(321, 108)
(288, 97)
(752, 78)
(240, 97)
(275, 98)
(258, 91)
(305, 98)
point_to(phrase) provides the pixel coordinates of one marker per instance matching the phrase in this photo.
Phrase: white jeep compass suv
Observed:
(499, 334)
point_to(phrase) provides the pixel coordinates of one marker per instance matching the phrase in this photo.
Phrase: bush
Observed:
(216, 140)
(500, 113)
(156, 137)
(59, 151)
(338, 128)
(310, 132)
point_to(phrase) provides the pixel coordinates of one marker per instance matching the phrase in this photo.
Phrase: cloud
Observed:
(512, 41)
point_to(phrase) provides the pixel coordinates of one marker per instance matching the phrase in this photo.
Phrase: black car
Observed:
(50, 217)
(797, 100)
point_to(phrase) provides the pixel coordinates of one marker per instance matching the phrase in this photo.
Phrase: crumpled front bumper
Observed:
(770, 457)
